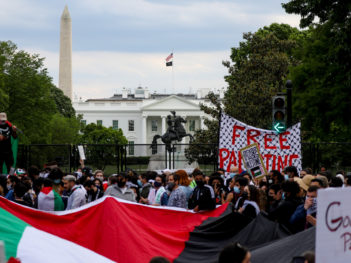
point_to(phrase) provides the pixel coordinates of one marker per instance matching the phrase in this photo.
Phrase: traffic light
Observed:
(279, 113)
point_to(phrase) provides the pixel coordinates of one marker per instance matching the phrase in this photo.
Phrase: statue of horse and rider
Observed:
(175, 132)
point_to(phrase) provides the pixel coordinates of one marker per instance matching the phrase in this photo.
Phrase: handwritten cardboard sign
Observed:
(333, 236)
(253, 161)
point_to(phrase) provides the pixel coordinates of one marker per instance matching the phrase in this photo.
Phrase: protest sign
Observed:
(81, 152)
(253, 161)
(333, 237)
(277, 150)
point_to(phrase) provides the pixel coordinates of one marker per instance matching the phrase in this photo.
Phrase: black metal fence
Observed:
(143, 157)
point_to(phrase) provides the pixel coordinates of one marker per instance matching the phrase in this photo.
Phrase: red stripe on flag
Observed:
(122, 232)
(169, 57)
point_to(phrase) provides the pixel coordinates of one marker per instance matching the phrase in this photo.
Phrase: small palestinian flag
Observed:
(50, 200)
(169, 60)
(256, 171)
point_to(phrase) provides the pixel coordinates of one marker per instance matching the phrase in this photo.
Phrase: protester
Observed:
(234, 253)
(156, 192)
(184, 184)
(3, 185)
(274, 197)
(20, 190)
(277, 177)
(336, 182)
(120, 189)
(291, 171)
(6, 131)
(145, 186)
(12, 180)
(247, 203)
(289, 204)
(49, 199)
(217, 183)
(99, 174)
(203, 197)
(76, 192)
(239, 186)
(305, 214)
(93, 192)
(177, 197)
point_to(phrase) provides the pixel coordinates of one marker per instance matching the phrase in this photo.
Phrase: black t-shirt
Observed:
(6, 131)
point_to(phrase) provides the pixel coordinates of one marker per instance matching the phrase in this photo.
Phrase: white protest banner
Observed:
(277, 150)
(253, 161)
(81, 152)
(333, 236)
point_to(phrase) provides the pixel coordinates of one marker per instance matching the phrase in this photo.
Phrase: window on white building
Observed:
(131, 147)
(154, 125)
(192, 125)
(115, 124)
(83, 123)
(99, 122)
(131, 125)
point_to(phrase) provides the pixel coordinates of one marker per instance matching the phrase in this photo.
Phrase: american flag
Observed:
(169, 57)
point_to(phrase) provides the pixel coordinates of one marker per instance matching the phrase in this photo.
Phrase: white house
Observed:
(142, 115)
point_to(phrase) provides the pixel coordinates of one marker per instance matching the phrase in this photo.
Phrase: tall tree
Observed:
(101, 155)
(258, 70)
(322, 81)
(63, 103)
(27, 89)
(31, 100)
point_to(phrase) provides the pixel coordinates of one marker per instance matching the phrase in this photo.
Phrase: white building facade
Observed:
(143, 115)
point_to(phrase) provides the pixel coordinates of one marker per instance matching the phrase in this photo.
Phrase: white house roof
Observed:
(172, 102)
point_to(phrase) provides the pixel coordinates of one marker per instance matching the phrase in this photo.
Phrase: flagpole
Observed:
(173, 73)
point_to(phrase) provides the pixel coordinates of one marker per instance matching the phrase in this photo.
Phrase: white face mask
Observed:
(9, 186)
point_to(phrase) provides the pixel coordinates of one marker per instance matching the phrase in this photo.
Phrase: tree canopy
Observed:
(322, 80)
(258, 70)
(31, 100)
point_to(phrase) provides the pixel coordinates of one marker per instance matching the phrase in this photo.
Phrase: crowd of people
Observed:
(288, 197)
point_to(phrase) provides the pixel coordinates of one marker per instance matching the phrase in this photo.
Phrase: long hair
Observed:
(183, 178)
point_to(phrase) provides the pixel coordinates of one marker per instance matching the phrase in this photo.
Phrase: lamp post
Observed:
(289, 102)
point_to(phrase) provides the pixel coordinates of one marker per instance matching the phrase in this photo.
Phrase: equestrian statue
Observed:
(175, 132)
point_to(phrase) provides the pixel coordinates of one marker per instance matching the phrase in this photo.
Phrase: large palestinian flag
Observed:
(113, 230)
(108, 230)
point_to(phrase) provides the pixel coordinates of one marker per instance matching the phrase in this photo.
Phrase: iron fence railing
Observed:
(142, 157)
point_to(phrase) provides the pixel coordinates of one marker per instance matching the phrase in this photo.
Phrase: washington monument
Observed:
(65, 71)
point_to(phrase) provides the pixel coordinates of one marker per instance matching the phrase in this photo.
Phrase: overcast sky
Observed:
(124, 43)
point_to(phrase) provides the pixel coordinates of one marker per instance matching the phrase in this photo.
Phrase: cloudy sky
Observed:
(120, 43)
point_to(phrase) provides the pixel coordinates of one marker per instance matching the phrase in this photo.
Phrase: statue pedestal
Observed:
(157, 162)
(180, 162)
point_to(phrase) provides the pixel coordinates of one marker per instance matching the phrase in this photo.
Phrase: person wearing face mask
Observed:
(305, 214)
(274, 197)
(93, 192)
(155, 194)
(288, 205)
(203, 197)
(120, 189)
(12, 180)
(177, 197)
(217, 184)
(239, 185)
